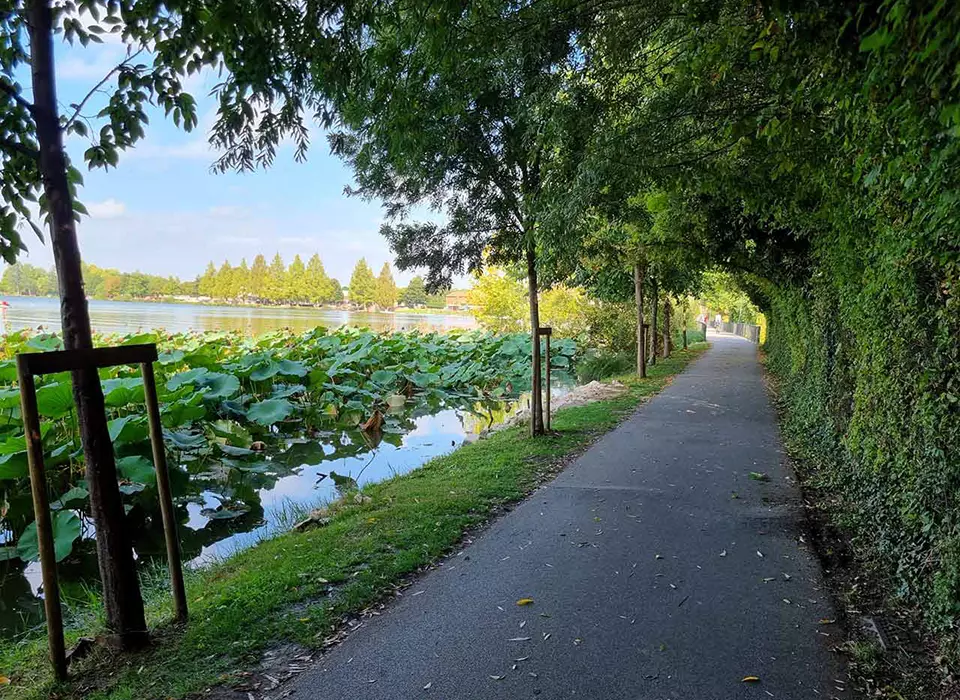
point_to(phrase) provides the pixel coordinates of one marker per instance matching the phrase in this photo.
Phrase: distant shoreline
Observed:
(199, 301)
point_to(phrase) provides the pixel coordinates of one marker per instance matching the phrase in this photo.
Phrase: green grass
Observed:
(296, 587)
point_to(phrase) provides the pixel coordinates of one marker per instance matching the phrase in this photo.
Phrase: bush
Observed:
(597, 366)
(612, 327)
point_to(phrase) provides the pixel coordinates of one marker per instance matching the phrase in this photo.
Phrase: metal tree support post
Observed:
(547, 331)
(31, 364)
(41, 511)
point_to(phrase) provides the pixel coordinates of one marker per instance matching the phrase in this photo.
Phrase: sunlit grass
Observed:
(293, 588)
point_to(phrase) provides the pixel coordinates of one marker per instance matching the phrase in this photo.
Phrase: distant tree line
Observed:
(24, 279)
(257, 283)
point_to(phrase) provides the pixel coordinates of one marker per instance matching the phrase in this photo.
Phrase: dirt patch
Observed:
(579, 396)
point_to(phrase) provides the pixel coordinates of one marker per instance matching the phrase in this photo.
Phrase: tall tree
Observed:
(262, 69)
(274, 286)
(452, 107)
(415, 293)
(258, 276)
(295, 283)
(363, 285)
(317, 283)
(385, 295)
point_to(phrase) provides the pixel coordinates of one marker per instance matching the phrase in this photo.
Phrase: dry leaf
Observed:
(525, 601)
(723, 553)
(428, 685)
(4, 680)
(519, 639)
(750, 679)
(497, 678)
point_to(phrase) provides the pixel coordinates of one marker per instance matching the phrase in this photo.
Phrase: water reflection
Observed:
(290, 479)
(131, 317)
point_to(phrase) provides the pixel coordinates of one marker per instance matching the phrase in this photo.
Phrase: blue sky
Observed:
(163, 212)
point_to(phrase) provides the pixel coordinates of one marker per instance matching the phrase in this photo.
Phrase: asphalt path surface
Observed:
(659, 568)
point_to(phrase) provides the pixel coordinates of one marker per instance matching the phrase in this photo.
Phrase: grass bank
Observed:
(298, 587)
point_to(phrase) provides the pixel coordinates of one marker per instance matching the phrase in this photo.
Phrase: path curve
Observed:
(658, 569)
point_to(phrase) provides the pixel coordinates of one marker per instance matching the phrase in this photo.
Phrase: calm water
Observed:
(134, 316)
(297, 478)
(297, 481)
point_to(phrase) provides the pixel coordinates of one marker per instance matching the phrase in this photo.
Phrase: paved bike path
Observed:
(658, 569)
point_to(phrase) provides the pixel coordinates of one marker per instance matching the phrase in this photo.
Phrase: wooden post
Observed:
(41, 513)
(638, 276)
(643, 347)
(164, 493)
(547, 331)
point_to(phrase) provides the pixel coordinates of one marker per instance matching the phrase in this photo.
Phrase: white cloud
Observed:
(107, 209)
(226, 211)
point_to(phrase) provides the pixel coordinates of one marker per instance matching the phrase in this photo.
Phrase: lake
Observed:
(222, 511)
(135, 316)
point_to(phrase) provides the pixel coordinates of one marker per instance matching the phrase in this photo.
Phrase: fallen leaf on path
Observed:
(750, 679)
(760, 554)
(519, 639)
(759, 476)
(428, 685)
(4, 680)
(522, 658)
(659, 556)
(523, 624)
(723, 553)
(497, 678)
(824, 621)
(525, 601)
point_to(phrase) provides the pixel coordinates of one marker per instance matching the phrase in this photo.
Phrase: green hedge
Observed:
(870, 372)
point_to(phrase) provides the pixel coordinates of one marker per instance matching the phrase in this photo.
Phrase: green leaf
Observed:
(120, 392)
(220, 386)
(268, 412)
(383, 377)
(66, 529)
(184, 441)
(127, 429)
(14, 466)
(191, 376)
(74, 498)
(138, 469)
(55, 400)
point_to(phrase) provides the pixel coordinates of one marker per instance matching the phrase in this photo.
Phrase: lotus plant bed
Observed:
(238, 415)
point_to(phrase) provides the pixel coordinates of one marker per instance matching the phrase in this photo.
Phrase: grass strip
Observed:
(297, 588)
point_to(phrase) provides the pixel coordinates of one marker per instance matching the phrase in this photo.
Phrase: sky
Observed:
(162, 211)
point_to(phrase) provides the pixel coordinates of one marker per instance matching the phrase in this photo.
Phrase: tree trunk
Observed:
(684, 333)
(653, 324)
(638, 274)
(667, 340)
(118, 574)
(536, 398)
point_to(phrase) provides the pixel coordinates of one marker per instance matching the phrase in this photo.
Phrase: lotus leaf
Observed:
(270, 411)
(66, 529)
